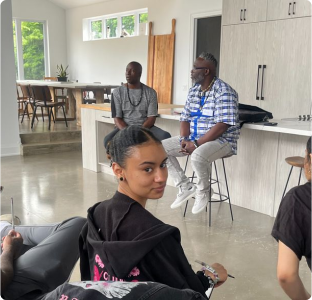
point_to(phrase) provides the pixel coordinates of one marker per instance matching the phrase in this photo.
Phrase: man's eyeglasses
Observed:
(200, 68)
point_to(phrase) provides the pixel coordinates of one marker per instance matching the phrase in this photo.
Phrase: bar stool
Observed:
(294, 161)
(213, 181)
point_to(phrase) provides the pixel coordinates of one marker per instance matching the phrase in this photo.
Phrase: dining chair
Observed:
(21, 101)
(43, 99)
(59, 93)
(25, 89)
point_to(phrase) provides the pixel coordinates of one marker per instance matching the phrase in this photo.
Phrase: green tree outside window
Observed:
(111, 26)
(143, 18)
(127, 25)
(15, 49)
(96, 29)
(33, 50)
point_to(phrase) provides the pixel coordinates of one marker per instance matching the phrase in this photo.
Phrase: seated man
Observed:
(38, 258)
(134, 103)
(209, 129)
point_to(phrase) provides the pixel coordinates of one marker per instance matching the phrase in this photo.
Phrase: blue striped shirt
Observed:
(219, 105)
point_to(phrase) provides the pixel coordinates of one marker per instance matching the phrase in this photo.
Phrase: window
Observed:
(143, 18)
(111, 28)
(125, 24)
(96, 29)
(29, 49)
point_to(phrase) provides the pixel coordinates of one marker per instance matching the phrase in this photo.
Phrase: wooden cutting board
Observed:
(160, 63)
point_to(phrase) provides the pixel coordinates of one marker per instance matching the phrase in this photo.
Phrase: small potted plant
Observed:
(61, 73)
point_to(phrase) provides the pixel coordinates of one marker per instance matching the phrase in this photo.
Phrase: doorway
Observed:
(207, 36)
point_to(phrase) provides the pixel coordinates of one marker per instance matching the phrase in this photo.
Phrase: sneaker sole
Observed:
(199, 211)
(173, 206)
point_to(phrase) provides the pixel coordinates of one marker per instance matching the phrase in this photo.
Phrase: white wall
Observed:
(43, 10)
(10, 142)
(106, 60)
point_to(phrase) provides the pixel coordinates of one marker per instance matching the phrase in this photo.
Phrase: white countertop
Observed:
(303, 128)
(172, 112)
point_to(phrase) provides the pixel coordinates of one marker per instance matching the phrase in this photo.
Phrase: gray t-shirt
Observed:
(134, 114)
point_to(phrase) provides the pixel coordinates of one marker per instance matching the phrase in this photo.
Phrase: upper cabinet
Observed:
(232, 11)
(243, 11)
(284, 9)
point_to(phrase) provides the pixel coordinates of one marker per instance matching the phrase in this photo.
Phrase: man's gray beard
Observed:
(199, 79)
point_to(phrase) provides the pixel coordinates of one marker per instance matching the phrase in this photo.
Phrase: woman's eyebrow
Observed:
(151, 162)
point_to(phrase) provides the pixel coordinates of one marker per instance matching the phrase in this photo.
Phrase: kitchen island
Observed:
(256, 175)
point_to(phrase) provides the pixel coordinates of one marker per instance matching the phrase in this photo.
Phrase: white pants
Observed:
(201, 160)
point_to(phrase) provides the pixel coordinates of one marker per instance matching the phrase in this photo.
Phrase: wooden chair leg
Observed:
(49, 114)
(33, 118)
(64, 115)
(42, 114)
(24, 113)
(53, 115)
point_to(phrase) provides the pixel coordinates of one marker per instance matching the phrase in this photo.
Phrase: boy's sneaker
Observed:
(186, 192)
(201, 201)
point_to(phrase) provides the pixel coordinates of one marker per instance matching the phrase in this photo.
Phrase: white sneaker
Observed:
(186, 192)
(201, 201)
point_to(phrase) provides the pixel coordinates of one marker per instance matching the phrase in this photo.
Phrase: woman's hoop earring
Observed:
(121, 178)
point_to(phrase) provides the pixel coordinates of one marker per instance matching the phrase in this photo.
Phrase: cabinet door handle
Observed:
(294, 8)
(240, 16)
(289, 8)
(257, 97)
(245, 14)
(262, 98)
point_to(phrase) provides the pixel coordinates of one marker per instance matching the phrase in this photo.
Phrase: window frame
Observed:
(19, 46)
(118, 16)
(90, 26)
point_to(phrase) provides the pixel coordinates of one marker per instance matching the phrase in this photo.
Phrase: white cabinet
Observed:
(287, 78)
(241, 54)
(232, 11)
(243, 11)
(284, 9)
(269, 64)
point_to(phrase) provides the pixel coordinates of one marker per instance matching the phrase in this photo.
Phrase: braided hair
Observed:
(121, 146)
(209, 57)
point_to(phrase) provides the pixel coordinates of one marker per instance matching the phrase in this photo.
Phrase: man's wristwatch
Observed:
(195, 144)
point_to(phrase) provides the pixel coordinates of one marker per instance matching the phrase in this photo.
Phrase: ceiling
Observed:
(75, 3)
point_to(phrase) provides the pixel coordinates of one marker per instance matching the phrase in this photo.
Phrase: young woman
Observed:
(122, 240)
(292, 230)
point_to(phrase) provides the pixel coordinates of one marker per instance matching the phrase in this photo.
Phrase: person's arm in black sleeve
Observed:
(83, 252)
(167, 264)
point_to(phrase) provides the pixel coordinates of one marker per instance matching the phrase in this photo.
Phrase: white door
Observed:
(232, 44)
(279, 9)
(232, 11)
(255, 11)
(287, 78)
(301, 8)
(241, 53)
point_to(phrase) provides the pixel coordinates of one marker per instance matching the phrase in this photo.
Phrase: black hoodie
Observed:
(122, 241)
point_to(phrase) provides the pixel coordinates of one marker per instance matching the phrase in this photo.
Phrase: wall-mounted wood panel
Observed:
(160, 63)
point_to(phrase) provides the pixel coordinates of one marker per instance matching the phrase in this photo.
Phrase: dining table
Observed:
(75, 93)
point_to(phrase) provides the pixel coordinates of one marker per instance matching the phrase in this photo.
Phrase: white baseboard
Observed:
(10, 150)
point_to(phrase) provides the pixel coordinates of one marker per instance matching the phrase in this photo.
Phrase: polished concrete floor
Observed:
(52, 187)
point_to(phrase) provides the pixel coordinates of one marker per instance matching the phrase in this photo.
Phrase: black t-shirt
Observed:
(293, 221)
